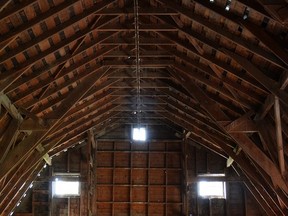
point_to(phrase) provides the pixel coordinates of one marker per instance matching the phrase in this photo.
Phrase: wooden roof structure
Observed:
(215, 69)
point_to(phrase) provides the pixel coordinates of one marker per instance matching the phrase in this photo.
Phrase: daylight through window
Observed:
(212, 189)
(139, 134)
(66, 188)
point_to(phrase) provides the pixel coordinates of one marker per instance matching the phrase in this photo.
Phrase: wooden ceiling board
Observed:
(189, 51)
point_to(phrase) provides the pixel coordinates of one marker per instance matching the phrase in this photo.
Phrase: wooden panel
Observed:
(139, 179)
(139, 209)
(173, 160)
(157, 177)
(174, 209)
(174, 176)
(140, 176)
(104, 193)
(121, 176)
(122, 159)
(157, 146)
(121, 194)
(105, 176)
(173, 146)
(173, 194)
(121, 209)
(104, 159)
(140, 160)
(139, 194)
(122, 146)
(104, 209)
(156, 209)
(157, 160)
(157, 194)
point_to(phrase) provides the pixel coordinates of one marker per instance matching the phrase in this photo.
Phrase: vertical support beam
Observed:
(248, 146)
(185, 175)
(279, 137)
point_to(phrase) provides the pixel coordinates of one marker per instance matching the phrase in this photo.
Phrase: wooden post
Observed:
(279, 137)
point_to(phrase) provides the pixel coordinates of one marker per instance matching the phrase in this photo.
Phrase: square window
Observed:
(65, 188)
(212, 189)
(139, 134)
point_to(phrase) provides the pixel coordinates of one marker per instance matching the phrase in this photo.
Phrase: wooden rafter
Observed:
(242, 140)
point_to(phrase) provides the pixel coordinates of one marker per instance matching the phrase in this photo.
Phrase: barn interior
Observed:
(143, 107)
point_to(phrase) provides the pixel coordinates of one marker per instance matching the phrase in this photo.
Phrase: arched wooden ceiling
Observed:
(217, 69)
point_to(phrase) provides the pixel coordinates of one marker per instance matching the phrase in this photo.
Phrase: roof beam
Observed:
(268, 83)
(56, 63)
(207, 58)
(82, 129)
(15, 9)
(276, 12)
(265, 108)
(4, 4)
(216, 86)
(209, 143)
(142, 41)
(142, 11)
(224, 33)
(17, 155)
(28, 64)
(216, 114)
(20, 189)
(97, 7)
(279, 138)
(266, 39)
(8, 139)
(227, 15)
(65, 72)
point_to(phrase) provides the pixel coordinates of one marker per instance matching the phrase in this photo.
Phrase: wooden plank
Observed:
(9, 106)
(205, 102)
(242, 140)
(219, 30)
(35, 21)
(58, 88)
(29, 144)
(242, 125)
(20, 189)
(269, 84)
(279, 138)
(142, 11)
(265, 108)
(56, 63)
(216, 86)
(4, 4)
(8, 139)
(212, 60)
(16, 9)
(266, 39)
(56, 10)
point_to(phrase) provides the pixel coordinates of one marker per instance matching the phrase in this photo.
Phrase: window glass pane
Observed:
(139, 134)
(211, 189)
(66, 188)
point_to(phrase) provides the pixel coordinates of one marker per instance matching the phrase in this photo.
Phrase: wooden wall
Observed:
(238, 202)
(125, 178)
(138, 178)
